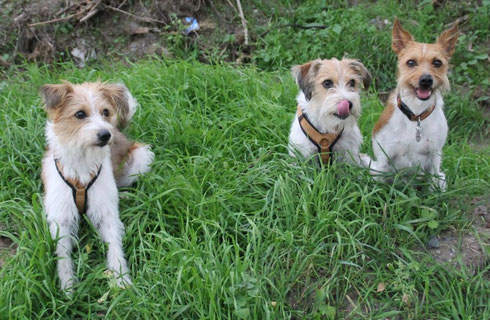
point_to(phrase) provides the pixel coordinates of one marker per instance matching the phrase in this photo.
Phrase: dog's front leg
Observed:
(380, 168)
(434, 168)
(365, 160)
(64, 229)
(111, 231)
(384, 165)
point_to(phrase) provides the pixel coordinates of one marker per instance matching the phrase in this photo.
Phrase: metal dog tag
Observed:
(418, 130)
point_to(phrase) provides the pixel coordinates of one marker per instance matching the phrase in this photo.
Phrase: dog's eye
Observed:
(411, 63)
(352, 83)
(327, 84)
(80, 115)
(105, 113)
(437, 63)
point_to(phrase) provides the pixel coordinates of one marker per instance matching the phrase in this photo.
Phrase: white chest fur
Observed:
(396, 147)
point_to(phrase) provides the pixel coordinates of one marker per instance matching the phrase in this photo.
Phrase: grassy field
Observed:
(226, 226)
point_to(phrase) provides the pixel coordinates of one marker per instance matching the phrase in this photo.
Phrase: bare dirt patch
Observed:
(469, 248)
(50, 30)
(452, 246)
(352, 307)
(85, 30)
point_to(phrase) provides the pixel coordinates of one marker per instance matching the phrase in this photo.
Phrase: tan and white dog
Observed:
(412, 129)
(87, 158)
(328, 109)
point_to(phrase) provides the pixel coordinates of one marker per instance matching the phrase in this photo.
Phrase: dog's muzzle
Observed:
(343, 109)
(424, 90)
(103, 137)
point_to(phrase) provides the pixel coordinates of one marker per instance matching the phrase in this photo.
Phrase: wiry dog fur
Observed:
(324, 84)
(422, 81)
(78, 116)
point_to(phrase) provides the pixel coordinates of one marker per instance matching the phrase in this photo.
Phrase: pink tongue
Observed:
(423, 93)
(343, 108)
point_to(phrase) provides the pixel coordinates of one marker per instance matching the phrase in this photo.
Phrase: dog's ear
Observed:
(448, 39)
(121, 99)
(399, 37)
(54, 95)
(304, 76)
(361, 70)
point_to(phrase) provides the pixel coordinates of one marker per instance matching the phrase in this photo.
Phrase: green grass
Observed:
(350, 31)
(226, 226)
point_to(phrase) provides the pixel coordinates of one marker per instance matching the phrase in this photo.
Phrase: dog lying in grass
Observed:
(412, 129)
(329, 106)
(87, 158)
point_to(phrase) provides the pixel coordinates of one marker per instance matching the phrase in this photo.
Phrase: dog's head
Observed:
(86, 115)
(332, 86)
(423, 67)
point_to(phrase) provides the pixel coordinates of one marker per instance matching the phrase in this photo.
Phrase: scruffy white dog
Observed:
(328, 109)
(412, 130)
(87, 158)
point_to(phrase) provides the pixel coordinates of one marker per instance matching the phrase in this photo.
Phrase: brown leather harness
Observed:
(79, 191)
(323, 141)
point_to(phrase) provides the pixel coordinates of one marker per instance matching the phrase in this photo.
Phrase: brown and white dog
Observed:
(328, 109)
(87, 158)
(412, 129)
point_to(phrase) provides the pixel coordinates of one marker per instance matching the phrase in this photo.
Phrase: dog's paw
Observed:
(442, 185)
(365, 160)
(140, 163)
(439, 182)
(142, 159)
(116, 279)
(67, 285)
(124, 281)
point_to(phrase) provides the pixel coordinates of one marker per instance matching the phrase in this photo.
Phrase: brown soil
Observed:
(471, 247)
(352, 307)
(85, 30)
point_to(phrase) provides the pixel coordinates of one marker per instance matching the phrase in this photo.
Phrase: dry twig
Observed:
(53, 21)
(145, 19)
(89, 15)
(244, 22)
(86, 11)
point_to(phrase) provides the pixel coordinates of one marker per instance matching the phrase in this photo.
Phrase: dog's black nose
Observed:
(350, 105)
(425, 81)
(104, 135)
